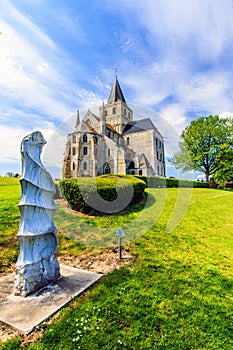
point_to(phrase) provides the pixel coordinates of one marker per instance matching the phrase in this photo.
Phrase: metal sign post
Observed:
(120, 233)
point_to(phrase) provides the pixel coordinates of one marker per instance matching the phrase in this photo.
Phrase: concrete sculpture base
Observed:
(25, 314)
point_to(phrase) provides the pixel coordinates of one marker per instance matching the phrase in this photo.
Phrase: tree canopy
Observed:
(207, 146)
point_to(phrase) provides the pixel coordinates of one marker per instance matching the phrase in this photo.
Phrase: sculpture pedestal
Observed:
(25, 314)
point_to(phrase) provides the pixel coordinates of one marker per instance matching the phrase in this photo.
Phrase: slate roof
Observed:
(116, 93)
(138, 125)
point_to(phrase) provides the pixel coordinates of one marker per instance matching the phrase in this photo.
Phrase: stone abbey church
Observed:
(113, 142)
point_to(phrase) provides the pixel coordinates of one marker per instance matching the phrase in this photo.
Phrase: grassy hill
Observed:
(177, 294)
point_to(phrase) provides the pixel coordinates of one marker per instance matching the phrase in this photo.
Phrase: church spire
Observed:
(103, 121)
(116, 93)
(77, 119)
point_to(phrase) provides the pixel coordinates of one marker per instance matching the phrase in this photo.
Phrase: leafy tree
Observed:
(226, 162)
(207, 146)
(10, 174)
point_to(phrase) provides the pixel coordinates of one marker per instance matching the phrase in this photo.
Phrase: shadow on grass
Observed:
(99, 231)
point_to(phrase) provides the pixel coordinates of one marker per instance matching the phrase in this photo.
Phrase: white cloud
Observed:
(175, 115)
(71, 23)
(12, 137)
(226, 115)
(154, 83)
(32, 75)
(88, 98)
(10, 143)
(203, 26)
(192, 42)
(26, 76)
(207, 92)
(25, 25)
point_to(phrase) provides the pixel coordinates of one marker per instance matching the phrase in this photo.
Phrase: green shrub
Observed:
(106, 194)
(155, 181)
(200, 184)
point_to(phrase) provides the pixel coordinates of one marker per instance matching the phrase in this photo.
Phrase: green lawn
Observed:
(178, 293)
(9, 221)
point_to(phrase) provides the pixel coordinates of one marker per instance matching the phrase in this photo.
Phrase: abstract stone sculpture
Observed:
(37, 263)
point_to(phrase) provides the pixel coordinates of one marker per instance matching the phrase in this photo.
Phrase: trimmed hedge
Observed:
(103, 194)
(153, 182)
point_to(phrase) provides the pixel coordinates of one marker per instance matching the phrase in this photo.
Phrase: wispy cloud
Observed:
(72, 24)
(207, 92)
(11, 139)
(31, 71)
(175, 114)
(25, 26)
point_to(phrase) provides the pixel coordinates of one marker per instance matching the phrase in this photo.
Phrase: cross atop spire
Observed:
(116, 93)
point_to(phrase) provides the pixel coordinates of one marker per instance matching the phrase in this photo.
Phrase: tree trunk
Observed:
(207, 176)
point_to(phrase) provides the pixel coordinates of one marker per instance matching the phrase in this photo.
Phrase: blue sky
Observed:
(174, 57)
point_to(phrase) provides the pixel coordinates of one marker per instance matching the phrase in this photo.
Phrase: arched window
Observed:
(114, 110)
(128, 140)
(84, 165)
(140, 172)
(73, 166)
(131, 165)
(73, 151)
(107, 169)
(84, 150)
(84, 138)
(109, 152)
(73, 138)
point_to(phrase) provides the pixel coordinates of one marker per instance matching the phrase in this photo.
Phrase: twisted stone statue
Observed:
(37, 263)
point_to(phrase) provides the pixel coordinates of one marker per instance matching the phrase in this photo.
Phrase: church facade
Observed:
(113, 142)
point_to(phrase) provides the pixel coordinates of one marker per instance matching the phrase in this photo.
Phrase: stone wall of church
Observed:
(144, 142)
(141, 142)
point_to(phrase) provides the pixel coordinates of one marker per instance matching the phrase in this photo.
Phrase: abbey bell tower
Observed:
(117, 113)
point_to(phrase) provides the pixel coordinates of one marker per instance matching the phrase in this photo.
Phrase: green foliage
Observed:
(102, 194)
(13, 344)
(206, 146)
(154, 182)
(10, 174)
(225, 159)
